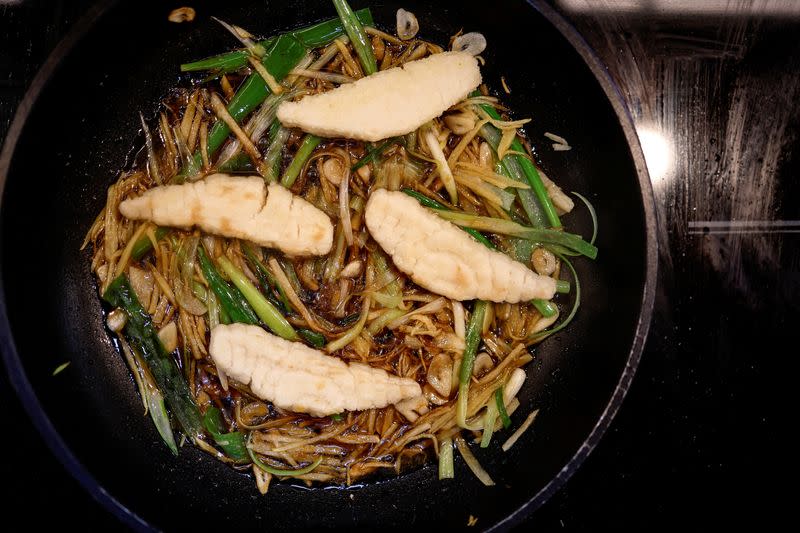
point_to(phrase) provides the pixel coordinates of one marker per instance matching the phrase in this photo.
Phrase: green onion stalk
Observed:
(283, 53)
(361, 44)
(143, 337)
(310, 142)
(232, 302)
(515, 165)
(311, 37)
(472, 340)
(232, 443)
(267, 312)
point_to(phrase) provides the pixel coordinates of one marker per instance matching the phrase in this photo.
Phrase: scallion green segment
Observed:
(315, 339)
(232, 443)
(266, 279)
(60, 368)
(144, 244)
(160, 417)
(446, 466)
(545, 307)
(143, 337)
(310, 142)
(569, 241)
(501, 407)
(267, 312)
(358, 37)
(472, 340)
(311, 37)
(281, 57)
(234, 305)
(489, 420)
(527, 168)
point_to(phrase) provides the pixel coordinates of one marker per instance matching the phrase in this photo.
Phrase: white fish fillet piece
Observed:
(444, 259)
(391, 102)
(242, 207)
(301, 379)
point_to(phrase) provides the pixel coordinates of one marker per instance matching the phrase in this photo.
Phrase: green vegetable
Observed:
(488, 423)
(300, 157)
(267, 312)
(315, 339)
(154, 404)
(472, 340)
(212, 304)
(272, 159)
(238, 163)
(232, 443)
(160, 417)
(510, 167)
(528, 169)
(385, 280)
(433, 204)
(60, 368)
(545, 307)
(355, 31)
(311, 37)
(325, 32)
(281, 57)
(224, 318)
(446, 467)
(267, 280)
(144, 244)
(374, 152)
(337, 417)
(501, 407)
(223, 63)
(562, 286)
(142, 336)
(232, 303)
(291, 275)
(506, 227)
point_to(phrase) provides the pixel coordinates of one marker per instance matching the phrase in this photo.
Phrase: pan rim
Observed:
(59, 448)
(14, 369)
(614, 97)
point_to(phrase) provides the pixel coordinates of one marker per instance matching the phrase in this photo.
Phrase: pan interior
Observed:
(84, 129)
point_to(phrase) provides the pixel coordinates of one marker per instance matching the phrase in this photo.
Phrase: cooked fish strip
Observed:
(442, 258)
(242, 207)
(388, 103)
(293, 376)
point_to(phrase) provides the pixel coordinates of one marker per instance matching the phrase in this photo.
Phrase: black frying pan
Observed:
(78, 126)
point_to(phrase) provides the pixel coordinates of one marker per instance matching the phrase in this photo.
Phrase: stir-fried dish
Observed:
(334, 255)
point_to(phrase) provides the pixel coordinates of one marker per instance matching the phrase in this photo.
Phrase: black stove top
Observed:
(701, 441)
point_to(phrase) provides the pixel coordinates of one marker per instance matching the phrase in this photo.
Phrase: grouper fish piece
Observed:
(242, 207)
(391, 102)
(442, 258)
(301, 379)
